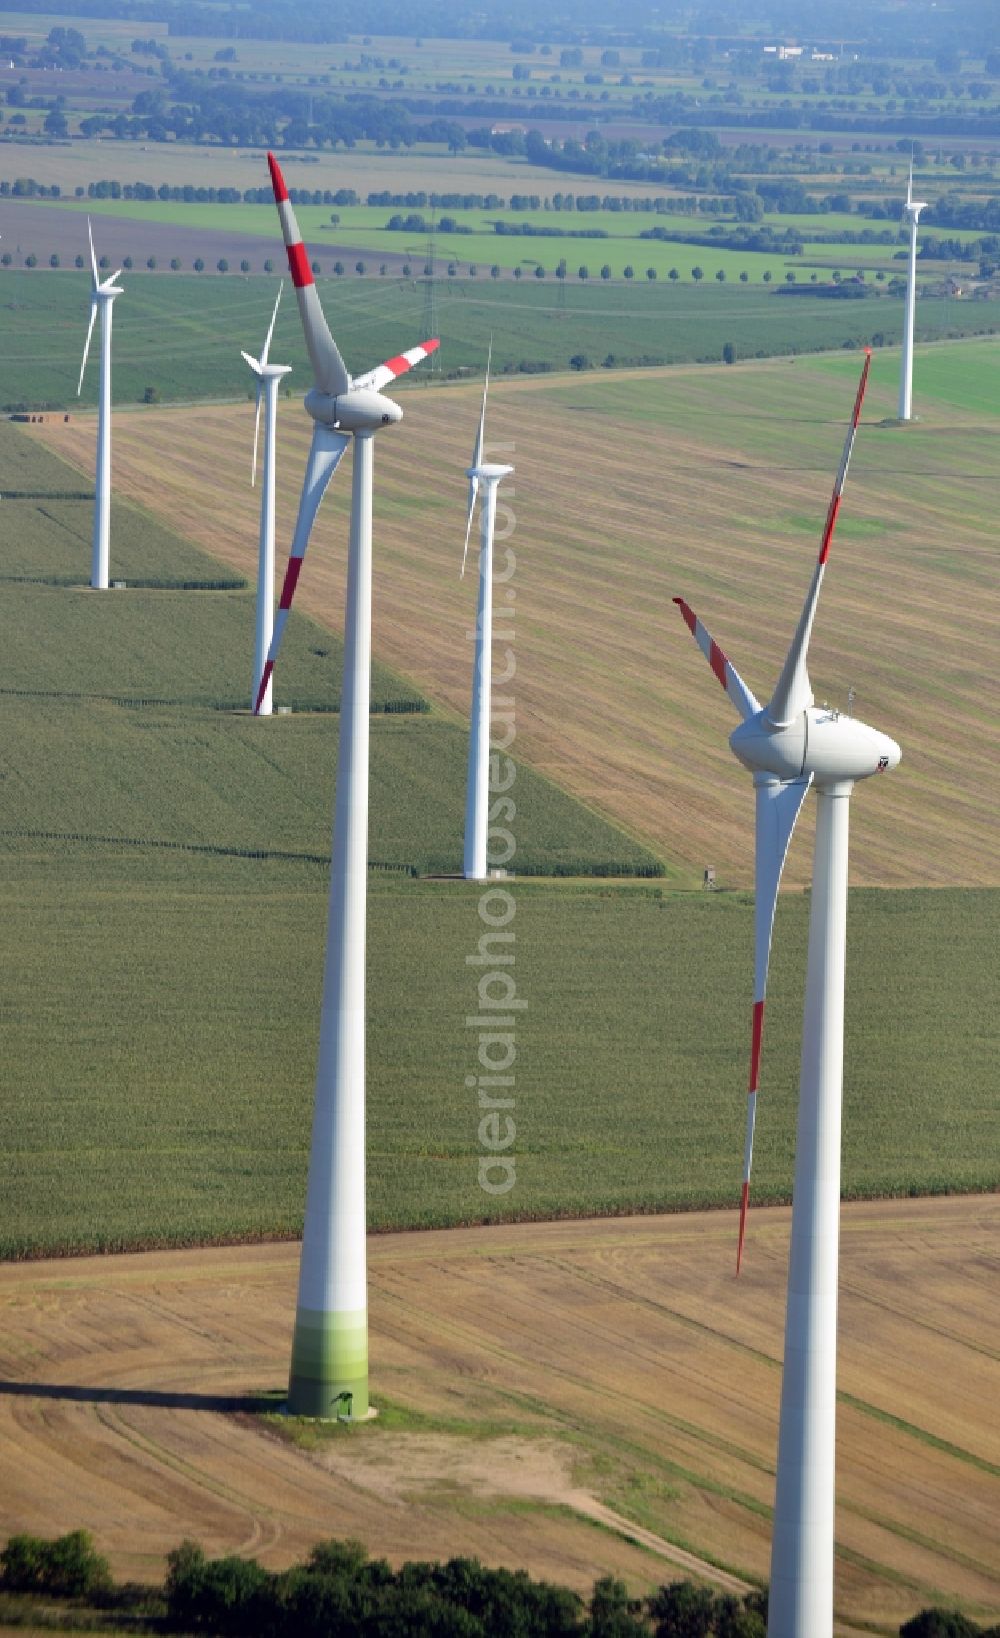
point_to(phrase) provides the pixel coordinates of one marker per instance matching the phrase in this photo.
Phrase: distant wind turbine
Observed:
(329, 1371)
(911, 210)
(788, 745)
(477, 799)
(102, 295)
(268, 379)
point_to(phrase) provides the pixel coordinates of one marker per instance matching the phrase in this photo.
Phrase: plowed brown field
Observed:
(630, 488)
(547, 1382)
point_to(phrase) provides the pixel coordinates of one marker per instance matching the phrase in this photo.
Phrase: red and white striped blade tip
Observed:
(277, 180)
(262, 690)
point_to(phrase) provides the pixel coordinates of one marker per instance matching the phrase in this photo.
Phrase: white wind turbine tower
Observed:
(329, 1370)
(788, 745)
(912, 210)
(268, 379)
(477, 798)
(102, 295)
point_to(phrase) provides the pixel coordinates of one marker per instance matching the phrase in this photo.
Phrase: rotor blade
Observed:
(325, 454)
(778, 806)
(477, 453)
(329, 369)
(270, 331)
(477, 458)
(745, 701)
(384, 373)
(473, 492)
(793, 692)
(86, 346)
(93, 257)
(253, 363)
(256, 436)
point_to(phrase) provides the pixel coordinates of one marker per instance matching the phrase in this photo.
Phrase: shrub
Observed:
(222, 265)
(68, 1567)
(151, 263)
(934, 1623)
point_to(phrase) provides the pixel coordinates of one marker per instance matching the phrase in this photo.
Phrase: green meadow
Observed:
(180, 335)
(363, 230)
(955, 374)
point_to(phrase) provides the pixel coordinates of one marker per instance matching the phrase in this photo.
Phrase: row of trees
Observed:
(453, 270)
(340, 1591)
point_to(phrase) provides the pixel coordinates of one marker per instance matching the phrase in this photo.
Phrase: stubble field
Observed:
(519, 1425)
(629, 490)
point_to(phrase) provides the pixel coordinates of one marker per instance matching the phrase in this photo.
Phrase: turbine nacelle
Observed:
(357, 410)
(820, 744)
(488, 471)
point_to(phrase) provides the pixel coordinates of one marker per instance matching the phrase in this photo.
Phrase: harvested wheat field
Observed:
(572, 1397)
(632, 487)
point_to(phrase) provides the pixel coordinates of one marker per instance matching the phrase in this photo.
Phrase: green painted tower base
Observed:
(329, 1376)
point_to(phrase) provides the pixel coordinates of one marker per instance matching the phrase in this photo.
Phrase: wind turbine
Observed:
(329, 1370)
(477, 798)
(102, 295)
(788, 745)
(268, 378)
(911, 210)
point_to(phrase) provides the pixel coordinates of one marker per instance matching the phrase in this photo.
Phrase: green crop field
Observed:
(126, 723)
(200, 780)
(182, 334)
(155, 647)
(48, 538)
(179, 1021)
